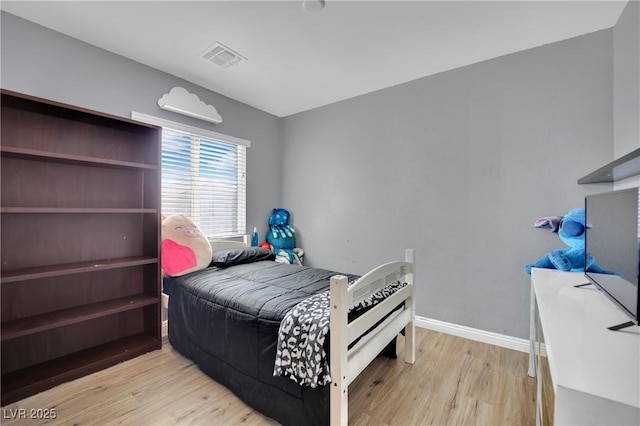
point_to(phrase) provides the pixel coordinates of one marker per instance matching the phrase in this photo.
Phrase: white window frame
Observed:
(198, 133)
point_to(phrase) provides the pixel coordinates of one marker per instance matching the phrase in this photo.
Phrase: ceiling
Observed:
(299, 60)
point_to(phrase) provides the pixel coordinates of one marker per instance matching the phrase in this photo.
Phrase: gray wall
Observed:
(626, 83)
(458, 166)
(44, 63)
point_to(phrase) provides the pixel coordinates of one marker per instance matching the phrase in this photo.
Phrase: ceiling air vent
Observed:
(222, 56)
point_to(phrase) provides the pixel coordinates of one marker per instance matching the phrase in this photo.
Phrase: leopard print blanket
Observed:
(300, 351)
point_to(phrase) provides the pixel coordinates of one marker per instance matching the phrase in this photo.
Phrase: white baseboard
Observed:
(497, 339)
(489, 337)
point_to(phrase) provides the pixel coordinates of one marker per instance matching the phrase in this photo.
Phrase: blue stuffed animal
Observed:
(282, 237)
(571, 229)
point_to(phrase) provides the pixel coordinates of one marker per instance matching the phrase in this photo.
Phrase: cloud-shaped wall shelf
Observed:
(182, 102)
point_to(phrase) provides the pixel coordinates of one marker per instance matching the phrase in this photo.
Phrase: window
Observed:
(203, 176)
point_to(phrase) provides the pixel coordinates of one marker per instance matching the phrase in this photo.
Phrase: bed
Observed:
(229, 319)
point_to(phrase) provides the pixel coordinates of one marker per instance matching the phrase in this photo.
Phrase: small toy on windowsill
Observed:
(571, 229)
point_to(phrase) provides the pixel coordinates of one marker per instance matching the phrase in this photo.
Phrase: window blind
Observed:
(203, 177)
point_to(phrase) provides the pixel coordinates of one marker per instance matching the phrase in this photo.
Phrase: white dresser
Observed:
(587, 374)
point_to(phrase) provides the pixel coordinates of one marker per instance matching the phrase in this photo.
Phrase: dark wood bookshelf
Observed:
(80, 242)
(23, 383)
(74, 268)
(33, 154)
(73, 210)
(34, 324)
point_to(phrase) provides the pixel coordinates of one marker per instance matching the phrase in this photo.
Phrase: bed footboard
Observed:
(346, 366)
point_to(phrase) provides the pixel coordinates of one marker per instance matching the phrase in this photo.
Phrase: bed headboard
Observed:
(229, 244)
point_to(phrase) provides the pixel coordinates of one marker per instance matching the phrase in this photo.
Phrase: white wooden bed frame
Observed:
(347, 365)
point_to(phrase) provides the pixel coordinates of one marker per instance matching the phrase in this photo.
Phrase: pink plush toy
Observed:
(184, 247)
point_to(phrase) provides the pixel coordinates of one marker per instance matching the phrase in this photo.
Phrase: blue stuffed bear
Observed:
(571, 229)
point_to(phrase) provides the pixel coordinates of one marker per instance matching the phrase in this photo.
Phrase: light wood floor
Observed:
(454, 381)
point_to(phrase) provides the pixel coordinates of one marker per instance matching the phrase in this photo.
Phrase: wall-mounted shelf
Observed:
(622, 168)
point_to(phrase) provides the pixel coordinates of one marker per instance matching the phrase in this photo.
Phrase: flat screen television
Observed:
(613, 240)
